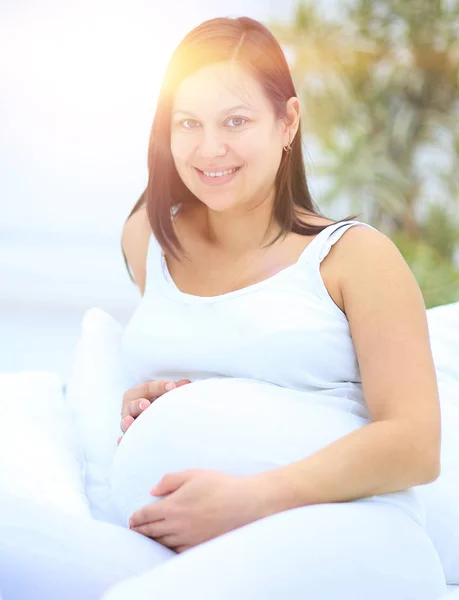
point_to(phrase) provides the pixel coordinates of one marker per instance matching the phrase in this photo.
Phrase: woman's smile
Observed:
(215, 178)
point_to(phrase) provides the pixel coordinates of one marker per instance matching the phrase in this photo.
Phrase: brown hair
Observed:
(256, 49)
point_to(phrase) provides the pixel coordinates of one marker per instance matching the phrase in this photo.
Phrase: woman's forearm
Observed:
(381, 457)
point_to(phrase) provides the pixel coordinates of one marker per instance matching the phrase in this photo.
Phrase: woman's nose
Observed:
(210, 145)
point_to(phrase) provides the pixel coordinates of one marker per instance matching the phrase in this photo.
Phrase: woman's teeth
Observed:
(220, 173)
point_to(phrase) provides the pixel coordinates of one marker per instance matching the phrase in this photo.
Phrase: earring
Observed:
(288, 148)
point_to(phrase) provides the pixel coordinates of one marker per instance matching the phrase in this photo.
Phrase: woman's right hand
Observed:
(140, 397)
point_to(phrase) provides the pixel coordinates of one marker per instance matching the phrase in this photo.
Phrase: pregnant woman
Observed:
(284, 464)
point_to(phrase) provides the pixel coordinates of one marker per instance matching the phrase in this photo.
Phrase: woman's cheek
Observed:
(182, 147)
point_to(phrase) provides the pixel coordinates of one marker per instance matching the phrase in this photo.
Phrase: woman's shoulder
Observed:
(134, 240)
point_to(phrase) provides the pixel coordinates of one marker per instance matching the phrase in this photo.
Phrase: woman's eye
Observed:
(237, 121)
(192, 123)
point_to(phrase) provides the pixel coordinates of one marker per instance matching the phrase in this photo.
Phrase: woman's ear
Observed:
(291, 119)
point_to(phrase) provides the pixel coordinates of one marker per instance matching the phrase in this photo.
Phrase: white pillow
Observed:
(442, 523)
(444, 337)
(94, 394)
(441, 497)
(40, 459)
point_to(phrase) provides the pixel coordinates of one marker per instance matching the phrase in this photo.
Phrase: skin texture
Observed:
(235, 215)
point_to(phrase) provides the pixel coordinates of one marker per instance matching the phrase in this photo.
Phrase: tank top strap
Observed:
(320, 246)
(309, 274)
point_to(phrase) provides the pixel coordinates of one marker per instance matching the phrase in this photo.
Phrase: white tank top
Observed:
(285, 331)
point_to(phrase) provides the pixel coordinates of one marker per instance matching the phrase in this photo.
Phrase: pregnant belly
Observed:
(239, 426)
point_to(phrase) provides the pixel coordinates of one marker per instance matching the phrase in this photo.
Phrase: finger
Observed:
(136, 407)
(119, 440)
(126, 422)
(147, 514)
(182, 382)
(143, 529)
(156, 529)
(171, 540)
(149, 389)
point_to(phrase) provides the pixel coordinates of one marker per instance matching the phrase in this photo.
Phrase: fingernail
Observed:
(141, 405)
(170, 386)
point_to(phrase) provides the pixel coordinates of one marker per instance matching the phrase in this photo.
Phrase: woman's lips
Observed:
(217, 180)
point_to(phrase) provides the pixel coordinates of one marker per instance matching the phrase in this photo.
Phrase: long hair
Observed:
(249, 43)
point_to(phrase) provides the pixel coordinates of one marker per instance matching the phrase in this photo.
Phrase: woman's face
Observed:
(226, 141)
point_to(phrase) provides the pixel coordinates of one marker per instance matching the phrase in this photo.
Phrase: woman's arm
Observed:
(376, 459)
(400, 448)
(134, 241)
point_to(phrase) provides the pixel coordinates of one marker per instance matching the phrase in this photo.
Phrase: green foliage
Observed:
(438, 280)
(380, 100)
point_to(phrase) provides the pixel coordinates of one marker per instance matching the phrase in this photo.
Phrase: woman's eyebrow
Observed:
(224, 112)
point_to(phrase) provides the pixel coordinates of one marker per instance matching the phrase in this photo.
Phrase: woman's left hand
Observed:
(201, 505)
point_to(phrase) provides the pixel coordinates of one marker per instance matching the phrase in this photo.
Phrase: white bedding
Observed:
(94, 419)
(40, 457)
